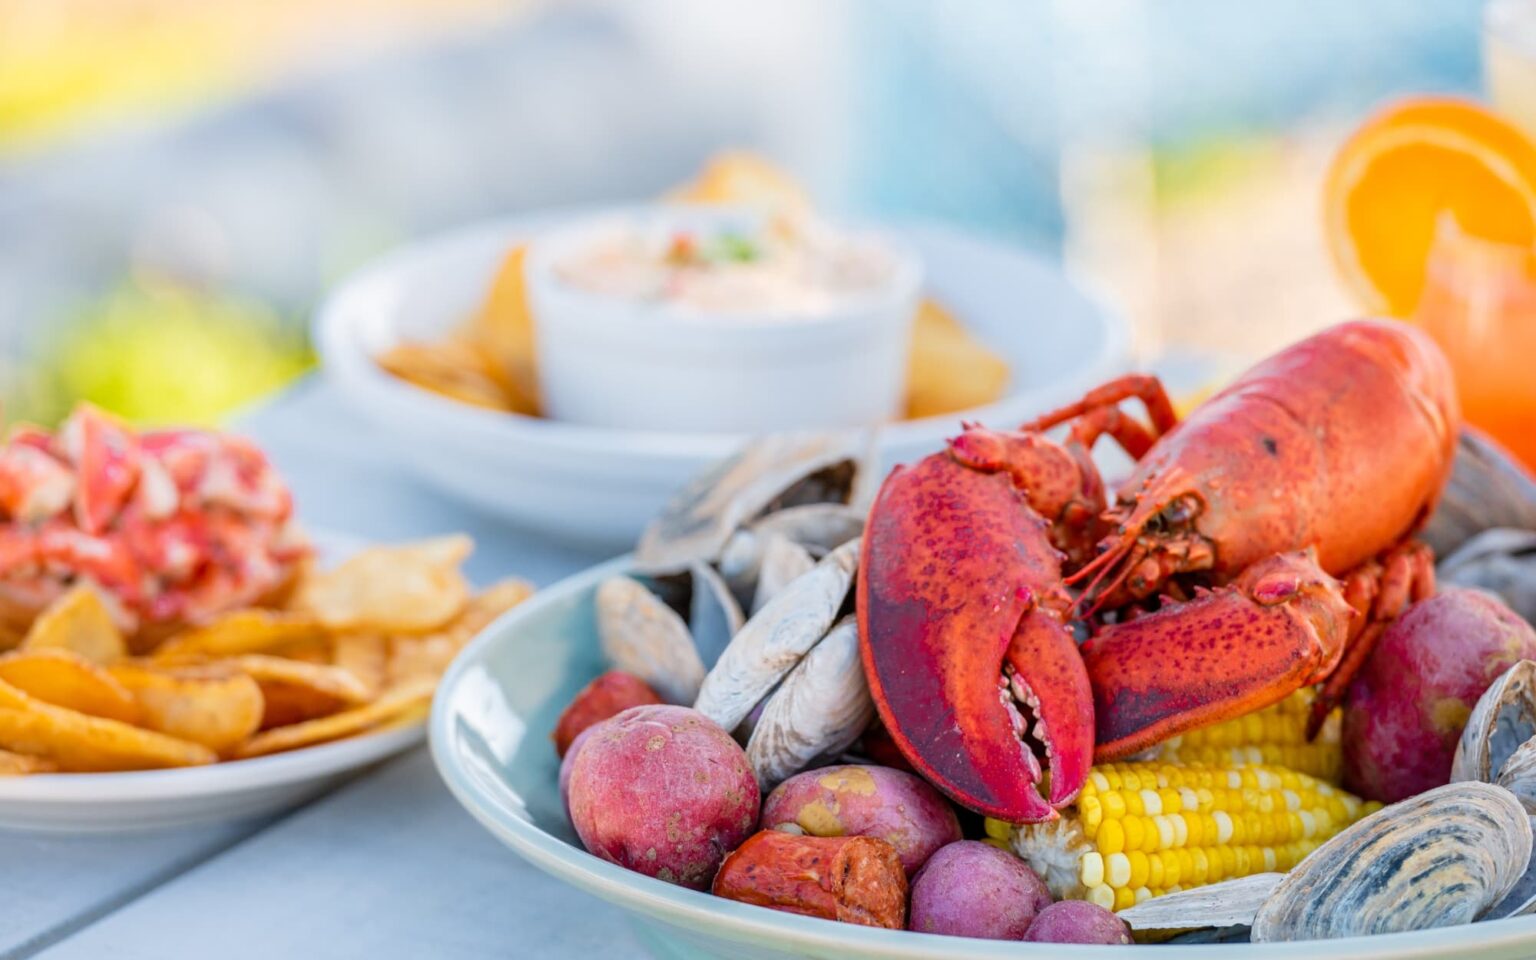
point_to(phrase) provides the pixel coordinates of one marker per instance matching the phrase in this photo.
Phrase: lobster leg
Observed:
(1379, 591)
(1281, 625)
(1149, 390)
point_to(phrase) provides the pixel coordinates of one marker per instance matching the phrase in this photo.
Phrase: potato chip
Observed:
(213, 705)
(79, 621)
(364, 655)
(392, 706)
(240, 631)
(20, 764)
(411, 588)
(490, 603)
(949, 370)
(417, 658)
(66, 679)
(294, 691)
(80, 742)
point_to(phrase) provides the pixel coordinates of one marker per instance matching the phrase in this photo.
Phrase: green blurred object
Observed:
(157, 353)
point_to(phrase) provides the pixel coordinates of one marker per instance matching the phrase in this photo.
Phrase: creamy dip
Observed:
(725, 269)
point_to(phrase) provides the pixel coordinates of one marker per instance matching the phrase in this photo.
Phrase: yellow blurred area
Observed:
(158, 353)
(65, 64)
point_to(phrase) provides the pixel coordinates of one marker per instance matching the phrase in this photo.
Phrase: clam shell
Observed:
(1438, 859)
(1518, 775)
(776, 637)
(819, 709)
(741, 561)
(1486, 490)
(1501, 561)
(775, 472)
(1230, 903)
(641, 635)
(784, 561)
(818, 527)
(714, 616)
(1503, 719)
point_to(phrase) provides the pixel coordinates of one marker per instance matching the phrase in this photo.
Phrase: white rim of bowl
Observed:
(343, 357)
(696, 910)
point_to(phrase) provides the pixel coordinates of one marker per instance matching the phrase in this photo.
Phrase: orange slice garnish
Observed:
(1404, 170)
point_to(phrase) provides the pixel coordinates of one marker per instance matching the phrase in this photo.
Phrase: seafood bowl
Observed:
(490, 734)
(598, 486)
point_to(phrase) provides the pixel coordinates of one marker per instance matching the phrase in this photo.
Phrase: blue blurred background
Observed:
(180, 181)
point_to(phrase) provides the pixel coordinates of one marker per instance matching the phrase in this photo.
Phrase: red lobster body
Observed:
(1342, 443)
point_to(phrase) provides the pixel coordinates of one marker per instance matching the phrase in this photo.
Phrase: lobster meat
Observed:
(1211, 585)
(172, 525)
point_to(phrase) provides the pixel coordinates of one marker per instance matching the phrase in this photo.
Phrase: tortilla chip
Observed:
(948, 369)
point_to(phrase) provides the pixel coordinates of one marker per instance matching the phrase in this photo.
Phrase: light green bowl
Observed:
(490, 737)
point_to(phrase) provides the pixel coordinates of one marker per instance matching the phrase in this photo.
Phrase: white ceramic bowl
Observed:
(627, 363)
(490, 731)
(599, 486)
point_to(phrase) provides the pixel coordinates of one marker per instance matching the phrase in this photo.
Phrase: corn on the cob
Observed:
(1147, 828)
(1275, 735)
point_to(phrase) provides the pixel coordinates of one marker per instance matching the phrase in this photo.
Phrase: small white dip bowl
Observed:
(607, 360)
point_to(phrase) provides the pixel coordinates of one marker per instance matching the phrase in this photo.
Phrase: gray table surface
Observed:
(386, 866)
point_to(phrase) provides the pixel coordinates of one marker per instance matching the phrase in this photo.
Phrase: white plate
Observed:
(157, 799)
(599, 486)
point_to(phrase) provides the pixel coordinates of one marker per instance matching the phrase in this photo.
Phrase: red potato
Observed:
(853, 800)
(608, 695)
(569, 761)
(973, 889)
(663, 791)
(1407, 706)
(1077, 921)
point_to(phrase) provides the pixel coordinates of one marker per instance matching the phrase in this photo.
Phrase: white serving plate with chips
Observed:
(598, 486)
(135, 801)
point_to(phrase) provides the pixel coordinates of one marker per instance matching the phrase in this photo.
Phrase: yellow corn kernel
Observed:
(1146, 828)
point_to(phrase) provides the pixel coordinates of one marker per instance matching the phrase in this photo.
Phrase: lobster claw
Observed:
(1280, 626)
(965, 643)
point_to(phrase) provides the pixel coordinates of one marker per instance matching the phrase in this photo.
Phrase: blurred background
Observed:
(181, 180)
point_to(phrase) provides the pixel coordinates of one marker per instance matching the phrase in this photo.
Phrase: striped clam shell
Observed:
(1503, 719)
(1439, 859)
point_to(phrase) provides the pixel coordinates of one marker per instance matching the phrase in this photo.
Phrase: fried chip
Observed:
(411, 588)
(742, 178)
(66, 679)
(364, 655)
(484, 607)
(948, 369)
(294, 691)
(502, 332)
(455, 368)
(20, 764)
(213, 705)
(253, 630)
(80, 742)
(414, 659)
(385, 711)
(79, 621)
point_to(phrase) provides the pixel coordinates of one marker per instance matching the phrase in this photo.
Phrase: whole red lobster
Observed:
(1319, 462)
